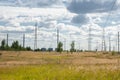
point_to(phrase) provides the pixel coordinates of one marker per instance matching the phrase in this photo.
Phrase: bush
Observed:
(113, 53)
(105, 52)
(0, 54)
(28, 48)
(37, 49)
(60, 47)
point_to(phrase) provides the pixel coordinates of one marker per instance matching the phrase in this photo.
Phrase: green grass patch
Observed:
(55, 72)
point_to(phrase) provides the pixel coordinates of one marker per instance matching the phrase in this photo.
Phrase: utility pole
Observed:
(118, 43)
(89, 39)
(23, 40)
(35, 41)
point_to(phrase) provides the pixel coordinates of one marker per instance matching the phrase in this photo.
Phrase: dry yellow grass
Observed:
(87, 60)
(24, 65)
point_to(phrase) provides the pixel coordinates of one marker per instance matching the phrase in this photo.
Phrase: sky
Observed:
(73, 18)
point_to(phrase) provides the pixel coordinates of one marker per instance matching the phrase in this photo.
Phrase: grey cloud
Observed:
(3, 23)
(90, 6)
(27, 23)
(83, 7)
(80, 19)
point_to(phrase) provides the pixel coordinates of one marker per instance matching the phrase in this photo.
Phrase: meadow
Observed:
(28, 65)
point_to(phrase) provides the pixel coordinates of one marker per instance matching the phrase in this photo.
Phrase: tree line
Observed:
(15, 46)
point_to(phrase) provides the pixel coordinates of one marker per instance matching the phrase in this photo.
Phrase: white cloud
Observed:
(31, 3)
(22, 20)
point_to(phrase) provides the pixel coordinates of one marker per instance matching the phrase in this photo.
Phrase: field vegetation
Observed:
(29, 65)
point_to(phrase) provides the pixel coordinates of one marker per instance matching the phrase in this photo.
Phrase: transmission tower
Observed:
(57, 36)
(113, 48)
(79, 45)
(97, 47)
(7, 39)
(118, 43)
(89, 39)
(103, 41)
(65, 44)
(109, 43)
(35, 41)
(23, 40)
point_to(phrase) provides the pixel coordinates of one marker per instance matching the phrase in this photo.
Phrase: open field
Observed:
(54, 66)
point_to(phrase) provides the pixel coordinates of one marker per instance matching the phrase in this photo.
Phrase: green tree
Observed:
(72, 49)
(16, 46)
(28, 48)
(60, 47)
(3, 44)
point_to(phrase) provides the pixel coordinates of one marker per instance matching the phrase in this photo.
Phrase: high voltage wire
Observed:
(114, 2)
(103, 36)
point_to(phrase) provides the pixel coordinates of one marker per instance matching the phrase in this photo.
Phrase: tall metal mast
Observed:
(57, 36)
(23, 40)
(103, 41)
(109, 43)
(7, 39)
(89, 39)
(65, 44)
(118, 42)
(35, 41)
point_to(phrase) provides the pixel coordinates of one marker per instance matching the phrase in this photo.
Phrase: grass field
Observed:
(55, 66)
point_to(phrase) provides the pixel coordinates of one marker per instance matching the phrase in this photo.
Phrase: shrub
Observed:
(113, 53)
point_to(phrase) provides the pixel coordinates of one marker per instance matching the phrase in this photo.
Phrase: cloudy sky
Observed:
(72, 17)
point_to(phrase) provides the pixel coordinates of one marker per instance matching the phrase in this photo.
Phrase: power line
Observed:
(103, 35)
(114, 1)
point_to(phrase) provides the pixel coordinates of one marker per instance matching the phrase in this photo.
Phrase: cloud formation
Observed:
(91, 6)
(84, 7)
(21, 20)
(30, 3)
(80, 19)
